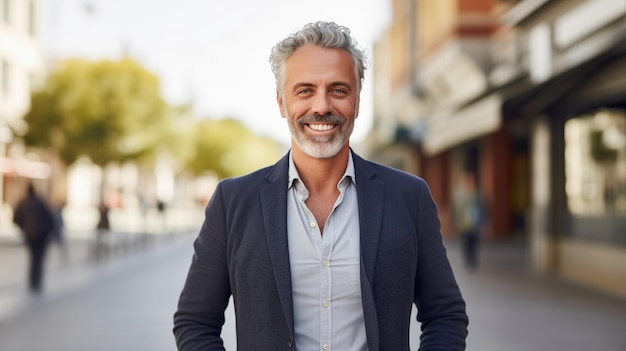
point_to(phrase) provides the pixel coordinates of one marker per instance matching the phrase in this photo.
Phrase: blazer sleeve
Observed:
(441, 308)
(199, 318)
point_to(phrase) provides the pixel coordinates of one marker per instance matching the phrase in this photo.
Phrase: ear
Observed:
(281, 107)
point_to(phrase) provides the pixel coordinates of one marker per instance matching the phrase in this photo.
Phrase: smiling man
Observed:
(324, 250)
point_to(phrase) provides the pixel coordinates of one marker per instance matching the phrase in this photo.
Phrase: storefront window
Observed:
(595, 173)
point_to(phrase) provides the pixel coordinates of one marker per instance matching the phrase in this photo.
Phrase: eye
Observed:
(339, 91)
(303, 91)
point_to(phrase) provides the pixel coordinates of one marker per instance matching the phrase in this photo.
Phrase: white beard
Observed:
(320, 147)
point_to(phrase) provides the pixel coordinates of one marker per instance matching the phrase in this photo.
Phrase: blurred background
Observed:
(146, 102)
(145, 105)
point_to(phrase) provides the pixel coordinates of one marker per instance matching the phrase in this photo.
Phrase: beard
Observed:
(320, 146)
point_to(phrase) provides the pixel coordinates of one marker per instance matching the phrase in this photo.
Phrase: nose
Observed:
(321, 104)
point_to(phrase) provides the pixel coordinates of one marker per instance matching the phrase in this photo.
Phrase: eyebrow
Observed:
(334, 84)
(302, 85)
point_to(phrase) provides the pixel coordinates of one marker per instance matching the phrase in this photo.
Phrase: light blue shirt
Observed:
(325, 270)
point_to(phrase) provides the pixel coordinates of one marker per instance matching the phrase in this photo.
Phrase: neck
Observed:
(320, 173)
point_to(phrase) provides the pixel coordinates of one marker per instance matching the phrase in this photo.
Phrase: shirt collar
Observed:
(293, 172)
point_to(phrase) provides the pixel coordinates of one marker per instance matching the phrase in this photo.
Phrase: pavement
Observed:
(125, 301)
(68, 267)
(511, 307)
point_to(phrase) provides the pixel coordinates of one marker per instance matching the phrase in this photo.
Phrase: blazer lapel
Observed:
(370, 194)
(274, 209)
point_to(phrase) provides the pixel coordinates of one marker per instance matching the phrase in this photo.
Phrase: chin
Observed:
(320, 151)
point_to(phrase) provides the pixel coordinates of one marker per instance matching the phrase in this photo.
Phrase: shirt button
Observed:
(325, 346)
(325, 262)
(312, 224)
(325, 303)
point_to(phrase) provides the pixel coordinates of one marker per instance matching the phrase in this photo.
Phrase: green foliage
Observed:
(229, 149)
(106, 110)
(112, 111)
(600, 152)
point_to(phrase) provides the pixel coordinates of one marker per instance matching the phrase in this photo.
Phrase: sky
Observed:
(213, 54)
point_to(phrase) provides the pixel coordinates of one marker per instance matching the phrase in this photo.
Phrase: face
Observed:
(320, 99)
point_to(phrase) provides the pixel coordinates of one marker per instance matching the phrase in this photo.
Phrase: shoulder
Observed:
(389, 175)
(242, 192)
(244, 183)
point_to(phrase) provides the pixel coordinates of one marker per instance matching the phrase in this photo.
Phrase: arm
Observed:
(199, 318)
(441, 308)
(18, 216)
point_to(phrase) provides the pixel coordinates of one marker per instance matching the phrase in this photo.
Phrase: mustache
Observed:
(330, 118)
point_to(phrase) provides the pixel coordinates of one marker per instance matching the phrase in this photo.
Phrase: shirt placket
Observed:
(323, 245)
(326, 285)
(326, 276)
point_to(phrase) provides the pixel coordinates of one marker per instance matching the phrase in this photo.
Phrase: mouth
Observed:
(321, 127)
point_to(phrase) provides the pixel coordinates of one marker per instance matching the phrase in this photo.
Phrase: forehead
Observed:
(313, 63)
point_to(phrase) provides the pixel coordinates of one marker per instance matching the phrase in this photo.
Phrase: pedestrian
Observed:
(323, 250)
(36, 221)
(58, 234)
(102, 229)
(161, 209)
(469, 216)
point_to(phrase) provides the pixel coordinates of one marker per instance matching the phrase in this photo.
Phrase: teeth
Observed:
(321, 127)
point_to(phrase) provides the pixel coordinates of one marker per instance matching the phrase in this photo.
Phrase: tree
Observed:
(229, 148)
(106, 110)
(112, 111)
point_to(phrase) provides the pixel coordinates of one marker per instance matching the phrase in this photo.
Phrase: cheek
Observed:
(294, 107)
(348, 108)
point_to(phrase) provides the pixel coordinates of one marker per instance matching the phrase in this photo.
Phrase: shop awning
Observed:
(24, 168)
(452, 128)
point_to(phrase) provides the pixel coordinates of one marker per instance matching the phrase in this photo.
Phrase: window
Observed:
(595, 174)
(6, 11)
(4, 77)
(32, 18)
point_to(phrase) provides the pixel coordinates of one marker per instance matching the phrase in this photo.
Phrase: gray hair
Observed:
(325, 34)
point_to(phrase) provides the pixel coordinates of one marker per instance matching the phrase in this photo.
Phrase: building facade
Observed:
(528, 95)
(21, 67)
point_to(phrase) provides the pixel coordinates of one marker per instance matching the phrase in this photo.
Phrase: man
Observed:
(323, 250)
(469, 218)
(36, 221)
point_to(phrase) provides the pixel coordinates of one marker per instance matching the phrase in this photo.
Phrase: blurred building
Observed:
(530, 95)
(21, 67)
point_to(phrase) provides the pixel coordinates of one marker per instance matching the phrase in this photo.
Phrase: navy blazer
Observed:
(242, 250)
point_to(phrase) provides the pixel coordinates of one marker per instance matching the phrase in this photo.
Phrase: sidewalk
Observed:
(126, 301)
(74, 265)
(513, 308)
(123, 303)
(67, 267)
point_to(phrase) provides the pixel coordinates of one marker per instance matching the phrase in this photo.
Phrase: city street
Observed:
(504, 118)
(126, 302)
